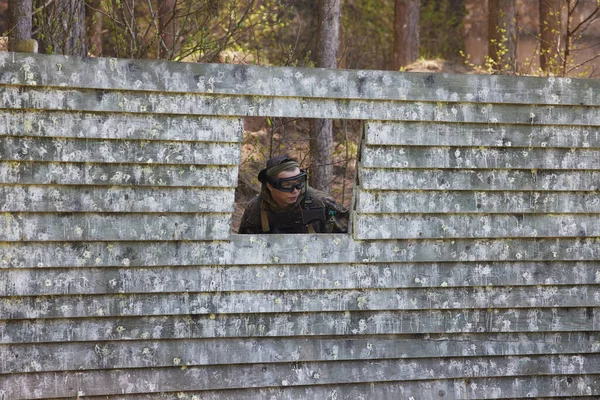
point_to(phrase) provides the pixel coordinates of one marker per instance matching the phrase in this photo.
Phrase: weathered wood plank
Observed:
(477, 202)
(117, 174)
(155, 304)
(293, 249)
(36, 198)
(151, 353)
(503, 310)
(44, 281)
(96, 226)
(432, 226)
(447, 389)
(476, 135)
(480, 158)
(30, 69)
(119, 126)
(118, 151)
(105, 280)
(19, 98)
(183, 378)
(547, 325)
(472, 179)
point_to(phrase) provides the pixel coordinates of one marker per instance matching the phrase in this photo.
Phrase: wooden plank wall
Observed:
(472, 269)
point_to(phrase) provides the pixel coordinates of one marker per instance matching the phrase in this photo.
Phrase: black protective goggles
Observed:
(289, 184)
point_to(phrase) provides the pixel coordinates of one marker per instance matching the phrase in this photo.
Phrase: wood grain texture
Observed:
(540, 387)
(101, 355)
(476, 135)
(275, 249)
(299, 302)
(480, 158)
(479, 202)
(552, 324)
(471, 269)
(59, 124)
(54, 99)
(432, 226)
(118, 151)
(142, 75)
(509, 180)
(130, 174)
(233, 278)
(95, 226)
(180, 377)
(114, 199)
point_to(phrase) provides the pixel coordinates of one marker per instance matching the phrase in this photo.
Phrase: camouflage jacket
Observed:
(290, 220)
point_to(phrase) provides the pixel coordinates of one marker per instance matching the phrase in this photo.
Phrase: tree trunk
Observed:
(77, 39)
(167, 22)
(19, 21)
(73, 19)
(551, 36)
(321, 131)
(406, 32)
(61, 27)
(503, 35)
(95, 23)
(3, 20)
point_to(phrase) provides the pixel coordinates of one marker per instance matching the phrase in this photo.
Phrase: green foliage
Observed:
(498, 64)
(58, 27)
(561, 41)
(441, 28)
(367, 34)
(267, 28)
(292, 41)
(202, 30)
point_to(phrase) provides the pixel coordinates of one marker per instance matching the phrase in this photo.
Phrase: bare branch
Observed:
(584, 62)
(589, 18)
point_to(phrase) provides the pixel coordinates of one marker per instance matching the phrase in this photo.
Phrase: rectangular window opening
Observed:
(289, 205)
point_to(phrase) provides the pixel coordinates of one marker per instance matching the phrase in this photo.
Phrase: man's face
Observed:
(285, 199)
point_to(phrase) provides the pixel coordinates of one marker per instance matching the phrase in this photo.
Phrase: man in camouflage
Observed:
(286, 204)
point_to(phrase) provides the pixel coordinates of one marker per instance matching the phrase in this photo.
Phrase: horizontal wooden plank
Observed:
(37, 198)
(59, 99)
(477, 202)
(448, 389)
(432, 226)
(548, 325)
(59, 124)
(117, 174)
(292, 249)
(120, 74)
(155, 304)
(181, 377)
(114, 226)
(200, 278)
(472, 179)
(44, 281)
(118, 151)
(480, 158)
(487, 135)
(152, 353)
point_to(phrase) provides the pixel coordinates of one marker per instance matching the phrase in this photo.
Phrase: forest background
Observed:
(524, 37)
